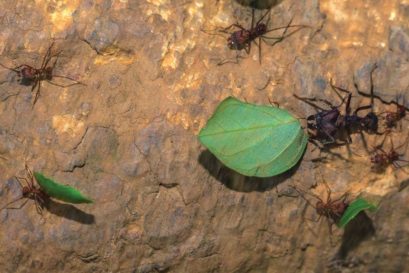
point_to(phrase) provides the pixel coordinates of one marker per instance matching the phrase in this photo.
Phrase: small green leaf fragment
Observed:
(61, 192)
(354, 209)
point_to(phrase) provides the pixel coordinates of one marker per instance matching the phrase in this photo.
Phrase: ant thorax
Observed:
(379, 159)
(333, 210)
(259, 30)
(47, 74)
(321, 208)
(26, 191)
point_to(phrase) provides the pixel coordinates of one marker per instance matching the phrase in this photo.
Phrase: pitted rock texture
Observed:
(127, 137)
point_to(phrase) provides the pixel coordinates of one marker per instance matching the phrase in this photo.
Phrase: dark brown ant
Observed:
(31, 76)
(382, 159)
(243, 38)
(30, 191)
(330, 209)
(328, 125)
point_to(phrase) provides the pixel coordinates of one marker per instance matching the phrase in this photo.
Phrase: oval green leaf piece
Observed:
(60, 192)
(254, 140)
(353, 209)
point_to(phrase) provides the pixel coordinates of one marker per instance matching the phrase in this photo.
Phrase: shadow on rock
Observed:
(238, 182)
(259, 4)
(357, 231)
(70, 212)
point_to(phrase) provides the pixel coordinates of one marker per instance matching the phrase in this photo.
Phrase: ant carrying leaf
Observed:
(47, 189)
(331, 209)
(31, 76)
(243, 38)
(29, 191)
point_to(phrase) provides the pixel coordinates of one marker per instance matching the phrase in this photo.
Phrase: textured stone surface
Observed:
(128, 137)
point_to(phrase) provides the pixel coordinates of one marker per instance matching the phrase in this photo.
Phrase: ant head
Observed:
(370, 122)
(28, 73)
(26, 191)
(400, 109)
(261, 28)
(320, 207)
(376, 159)
(231, 44)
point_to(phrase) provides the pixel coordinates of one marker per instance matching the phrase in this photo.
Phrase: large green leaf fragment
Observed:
(353, 209)
(61, 192)
(254, 140)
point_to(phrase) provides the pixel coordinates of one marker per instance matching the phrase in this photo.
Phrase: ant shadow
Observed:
(69, 212)
(358, 230)
(238, 182)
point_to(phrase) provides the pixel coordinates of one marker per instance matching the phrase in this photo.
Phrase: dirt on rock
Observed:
(127, 137)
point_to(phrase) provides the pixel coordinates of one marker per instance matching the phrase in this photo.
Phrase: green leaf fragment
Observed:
(353, 210)
(61, 192)
(254, 140)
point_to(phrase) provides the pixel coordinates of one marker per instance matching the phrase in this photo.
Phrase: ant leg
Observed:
(336, 89)
(400, 146)
(371, 86)
(310, 100)
(47, 57)
(259, 49)
(226, 29)
(362, 108)
(15, 69)
(37, 92)
(64, 85)
(302, 194)
(364, 142)
(68, 78)
(261, 19)
(328, 189)
(57, 55)
(252, 19)
(38, 204)
(19, 207)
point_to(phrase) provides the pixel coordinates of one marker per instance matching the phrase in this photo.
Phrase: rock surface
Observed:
(127, 137)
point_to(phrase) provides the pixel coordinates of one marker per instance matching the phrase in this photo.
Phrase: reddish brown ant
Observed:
(34, 76)
(382, 159)
(330, 209)
(243, 38)
(391, 118)
(30, 191)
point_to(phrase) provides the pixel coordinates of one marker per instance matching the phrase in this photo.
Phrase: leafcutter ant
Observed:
(329, 125)
(381, 159)
(29, 191)
(331, 209)
(31, 76)
(243, 38)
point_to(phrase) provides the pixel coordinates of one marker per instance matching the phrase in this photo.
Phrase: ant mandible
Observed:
(34, 76)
